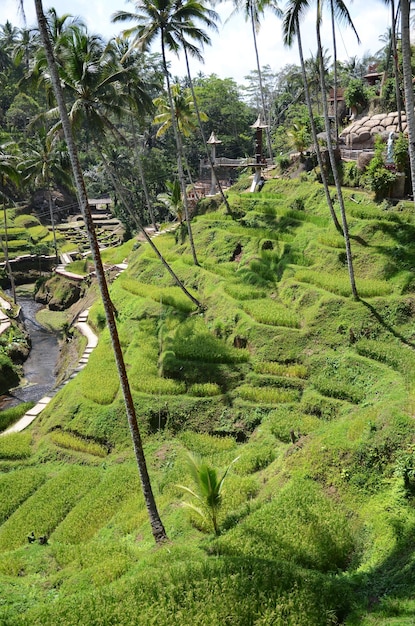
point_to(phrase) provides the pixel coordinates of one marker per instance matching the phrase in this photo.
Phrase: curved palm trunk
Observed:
(314, 133)
(157, 527)
(333, 163)
(408, 85)
(179, 153)
(126, 204)
(261, 84)
(208, 153)
(396, 66)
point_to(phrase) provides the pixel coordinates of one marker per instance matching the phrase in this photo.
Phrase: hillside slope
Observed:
(313, 391)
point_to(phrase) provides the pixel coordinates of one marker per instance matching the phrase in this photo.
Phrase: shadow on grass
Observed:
(386, 325)
(385, 591)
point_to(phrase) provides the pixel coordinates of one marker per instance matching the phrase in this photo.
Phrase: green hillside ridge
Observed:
(312, 390)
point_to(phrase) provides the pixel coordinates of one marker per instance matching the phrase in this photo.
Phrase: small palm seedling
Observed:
(208, 489)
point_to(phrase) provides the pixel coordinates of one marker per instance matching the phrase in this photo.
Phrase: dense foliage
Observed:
(310, 389)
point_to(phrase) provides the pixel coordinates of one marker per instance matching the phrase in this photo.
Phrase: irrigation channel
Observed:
(39, 368)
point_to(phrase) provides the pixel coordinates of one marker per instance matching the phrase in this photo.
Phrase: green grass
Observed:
(267, 311)
(15, 446)
(12, 415)
(45, 509)
(311, 390)
(74, 442)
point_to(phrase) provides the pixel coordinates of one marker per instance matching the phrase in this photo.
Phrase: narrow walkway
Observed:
(4, 319)
(84, 328)
(92, 341)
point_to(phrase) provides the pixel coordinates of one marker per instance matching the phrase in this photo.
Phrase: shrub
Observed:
(378, 178)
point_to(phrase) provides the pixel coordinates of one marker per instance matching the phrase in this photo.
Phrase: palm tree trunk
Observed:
(208, 154)
(333, 31)
(179, 153)
(142, 177)
(333, 160)
(396, 66)
(314, 133)
(157, 527)
(132, 213)
(52, 221)
(408, 86)
(5, 247)
(261, 84)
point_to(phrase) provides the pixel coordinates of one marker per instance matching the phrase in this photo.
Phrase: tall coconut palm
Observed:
(184, 111)
(175, 23)
(334, 11)
(292, 29)
(408, 84)
(296, 9)
(94, 81)
(133, 84)
(45, 162)
(9, 175)
(202, 133)
(157, 527)
(253, 11)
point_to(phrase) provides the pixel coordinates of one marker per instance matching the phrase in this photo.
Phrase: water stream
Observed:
(39, 367)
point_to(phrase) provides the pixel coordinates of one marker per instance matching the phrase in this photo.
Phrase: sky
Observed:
(232, 51)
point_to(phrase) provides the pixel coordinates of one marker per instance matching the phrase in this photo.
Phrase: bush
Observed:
(377, 177)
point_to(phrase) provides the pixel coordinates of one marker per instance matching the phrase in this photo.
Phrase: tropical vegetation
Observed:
(259, 359)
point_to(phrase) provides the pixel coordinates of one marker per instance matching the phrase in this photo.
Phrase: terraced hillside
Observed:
(310, 389)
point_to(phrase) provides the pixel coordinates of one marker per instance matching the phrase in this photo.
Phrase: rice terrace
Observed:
(217, 282)
(306, 393)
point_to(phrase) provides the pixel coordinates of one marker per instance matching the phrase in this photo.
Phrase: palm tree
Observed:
(9, 175)
(208, 489)
(253, 11)
(175, 23)
(46, 161)
(184, 111)
(296, 9)
(408, 84)
(157, 527)
(134, 87)
(202, 133)
(172, 199)
(93, 79)
(334, 11)
(292, 29)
